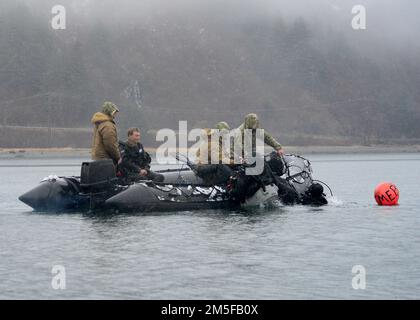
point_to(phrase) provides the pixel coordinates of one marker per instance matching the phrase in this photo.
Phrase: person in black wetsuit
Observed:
(135, 161)
(244, 186)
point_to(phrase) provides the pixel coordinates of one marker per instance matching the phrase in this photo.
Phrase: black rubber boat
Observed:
(98, 189)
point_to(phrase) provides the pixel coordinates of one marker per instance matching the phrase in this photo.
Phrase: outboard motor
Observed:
(97, 181)
(97, 176)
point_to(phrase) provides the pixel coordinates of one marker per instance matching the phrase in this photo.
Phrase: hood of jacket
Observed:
(100, 117)
(222, 125)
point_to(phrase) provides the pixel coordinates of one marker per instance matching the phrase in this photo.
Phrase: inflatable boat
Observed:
(286, 180)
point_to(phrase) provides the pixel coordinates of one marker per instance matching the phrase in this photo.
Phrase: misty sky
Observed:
(387, 19)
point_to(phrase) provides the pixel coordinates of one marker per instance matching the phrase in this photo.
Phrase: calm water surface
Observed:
(283, 253)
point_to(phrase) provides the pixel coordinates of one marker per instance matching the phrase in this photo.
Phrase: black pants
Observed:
(214, 173)
(154, 176)
(245, 186)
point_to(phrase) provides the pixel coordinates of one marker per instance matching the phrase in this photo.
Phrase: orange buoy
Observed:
(387, 194)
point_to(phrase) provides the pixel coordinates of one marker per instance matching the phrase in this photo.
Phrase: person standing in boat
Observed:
(135, 161)
(252, 123)
(246, 186)
(105, 139)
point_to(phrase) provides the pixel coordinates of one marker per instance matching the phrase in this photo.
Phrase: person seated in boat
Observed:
(135, 161)
(213, 161)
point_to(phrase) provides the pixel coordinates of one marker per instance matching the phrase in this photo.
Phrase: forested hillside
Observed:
(310, 82)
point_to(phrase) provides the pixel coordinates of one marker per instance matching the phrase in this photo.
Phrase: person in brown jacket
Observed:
(105, 140)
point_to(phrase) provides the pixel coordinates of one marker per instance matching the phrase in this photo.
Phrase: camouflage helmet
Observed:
(251, 121)
(109, 108)
(222, 125)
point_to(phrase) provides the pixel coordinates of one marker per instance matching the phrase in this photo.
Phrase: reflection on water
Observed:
(285, 252)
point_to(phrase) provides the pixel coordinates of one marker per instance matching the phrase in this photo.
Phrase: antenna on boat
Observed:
(184, 160)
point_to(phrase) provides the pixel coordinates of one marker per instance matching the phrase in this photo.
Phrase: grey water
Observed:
(282, 253)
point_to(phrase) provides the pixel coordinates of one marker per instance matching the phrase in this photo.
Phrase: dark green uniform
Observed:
(134, 158)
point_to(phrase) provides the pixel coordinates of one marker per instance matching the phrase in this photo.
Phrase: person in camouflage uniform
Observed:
(135, 161)
(244, 185)
(214, 167)
(216, 152)
(252, 123)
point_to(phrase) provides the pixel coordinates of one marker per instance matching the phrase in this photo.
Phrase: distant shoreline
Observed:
(85, 152)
